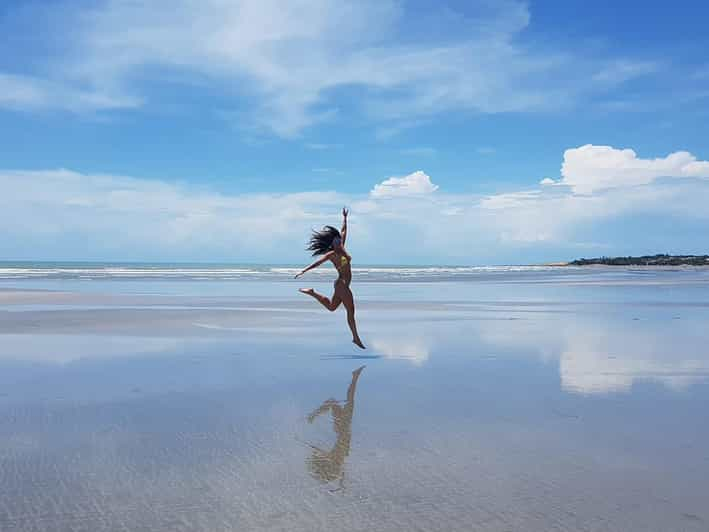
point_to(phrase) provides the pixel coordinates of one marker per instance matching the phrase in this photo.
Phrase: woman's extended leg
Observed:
(348, 301)
(329, 304)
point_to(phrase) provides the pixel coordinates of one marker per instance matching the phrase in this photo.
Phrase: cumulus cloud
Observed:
(590, 168)
(555, 215)
(509, 199)
(63, 214)
(600, 184)
(416, 184)
(282, 63)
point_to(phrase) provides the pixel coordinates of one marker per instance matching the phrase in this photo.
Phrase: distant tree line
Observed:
(646, 260)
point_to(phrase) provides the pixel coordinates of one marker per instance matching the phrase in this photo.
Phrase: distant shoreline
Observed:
(644, 260)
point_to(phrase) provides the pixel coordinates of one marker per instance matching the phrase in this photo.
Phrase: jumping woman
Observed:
(330, 243)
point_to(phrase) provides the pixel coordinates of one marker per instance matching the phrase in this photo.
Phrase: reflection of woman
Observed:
(330, 243)
(327, 466)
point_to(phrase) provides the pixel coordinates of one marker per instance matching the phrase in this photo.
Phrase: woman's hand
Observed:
(345, 212)
(298, 275)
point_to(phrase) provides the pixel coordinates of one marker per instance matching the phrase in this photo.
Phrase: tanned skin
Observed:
(342, 293)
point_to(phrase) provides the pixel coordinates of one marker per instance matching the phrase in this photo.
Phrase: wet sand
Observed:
(499, 406)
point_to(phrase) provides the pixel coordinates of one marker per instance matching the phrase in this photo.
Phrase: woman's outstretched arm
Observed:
(345, 212)
(315, 264)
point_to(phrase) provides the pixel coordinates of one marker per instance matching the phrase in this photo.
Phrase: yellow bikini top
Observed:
(343, 260)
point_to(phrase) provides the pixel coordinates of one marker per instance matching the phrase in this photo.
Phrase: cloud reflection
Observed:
(413, 349)
(67, 348)
(611, 358)
(609, 355)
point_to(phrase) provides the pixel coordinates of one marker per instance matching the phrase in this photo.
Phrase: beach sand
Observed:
(531, 406)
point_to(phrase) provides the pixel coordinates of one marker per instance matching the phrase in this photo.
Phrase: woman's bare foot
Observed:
(308, 291)
(358, 343)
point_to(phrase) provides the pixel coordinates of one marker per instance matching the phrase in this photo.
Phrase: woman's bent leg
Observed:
(329, 304)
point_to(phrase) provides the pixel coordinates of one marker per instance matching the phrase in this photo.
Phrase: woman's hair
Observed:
(321, 241)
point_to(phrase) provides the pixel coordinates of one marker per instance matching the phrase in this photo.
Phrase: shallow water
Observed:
(528, 401)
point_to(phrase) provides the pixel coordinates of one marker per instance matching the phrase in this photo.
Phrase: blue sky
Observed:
(224, 131)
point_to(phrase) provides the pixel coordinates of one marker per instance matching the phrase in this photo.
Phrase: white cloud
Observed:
(320, 146)
(599, 183)
(283, 62)
(590, 168)
(622, 70)
(422, 151)
(325, 170)
(553, 214)
(415, 184)
(62, 214)
(509, 199)
(36, 94)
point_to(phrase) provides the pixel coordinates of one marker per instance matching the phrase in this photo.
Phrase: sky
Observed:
(457, 132)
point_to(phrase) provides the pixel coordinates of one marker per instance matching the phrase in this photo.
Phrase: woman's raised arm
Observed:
(345, 212)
